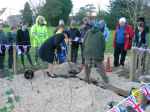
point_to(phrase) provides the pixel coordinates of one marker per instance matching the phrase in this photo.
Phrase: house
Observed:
(14, 20)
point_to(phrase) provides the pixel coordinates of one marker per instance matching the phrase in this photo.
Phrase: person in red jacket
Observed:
(122, 41)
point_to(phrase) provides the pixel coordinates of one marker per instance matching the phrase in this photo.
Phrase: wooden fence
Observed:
(139, 63)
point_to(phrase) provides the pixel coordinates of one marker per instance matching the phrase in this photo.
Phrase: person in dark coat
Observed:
(75, 37)
(11, 39)
(3, 42)
(23, 42)
(48, 48)
(85, 27)
(94, 48)
(141, 33)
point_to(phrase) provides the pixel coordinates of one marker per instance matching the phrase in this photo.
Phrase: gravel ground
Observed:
(44, 94)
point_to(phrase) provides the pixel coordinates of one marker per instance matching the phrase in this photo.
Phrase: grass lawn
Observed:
(7, 29)
(109, 43)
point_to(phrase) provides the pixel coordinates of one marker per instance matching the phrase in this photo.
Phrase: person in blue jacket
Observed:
(104, 29)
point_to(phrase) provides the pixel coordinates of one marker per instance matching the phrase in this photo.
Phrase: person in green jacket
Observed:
(94, 48)
(39, 33)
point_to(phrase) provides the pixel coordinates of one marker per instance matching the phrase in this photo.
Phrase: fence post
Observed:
(133, 65)
(147, 63)
(140, 59)
(14, 59)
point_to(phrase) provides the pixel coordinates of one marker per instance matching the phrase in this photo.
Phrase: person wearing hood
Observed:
(84, 28)
(39, 33)
(3, 42)
(122, 41)
(23, 42)
(94, 48)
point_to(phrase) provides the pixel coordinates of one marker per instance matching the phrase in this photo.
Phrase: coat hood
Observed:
(41, 20)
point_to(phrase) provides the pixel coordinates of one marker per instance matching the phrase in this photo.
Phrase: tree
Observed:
(2, 11)
(101, 14)
(116, 11)
(90, 9)
(54, 10)
(27, 13)
(104, 15)
(131, 9)
(86, 11)
(136, 8)
(81, 14)
(36, 6)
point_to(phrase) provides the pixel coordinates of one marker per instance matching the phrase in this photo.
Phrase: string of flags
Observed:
(136, 102)
(7, 46)
(141, 50)
(18, 50)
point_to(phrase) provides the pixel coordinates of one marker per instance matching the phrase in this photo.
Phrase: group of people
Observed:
(91, 38)
(125, 37)
(19, 36)
(64, 45)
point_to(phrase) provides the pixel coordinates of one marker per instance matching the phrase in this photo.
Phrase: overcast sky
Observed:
(16, 5)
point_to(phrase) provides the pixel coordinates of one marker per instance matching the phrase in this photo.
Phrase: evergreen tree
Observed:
(27, 13)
